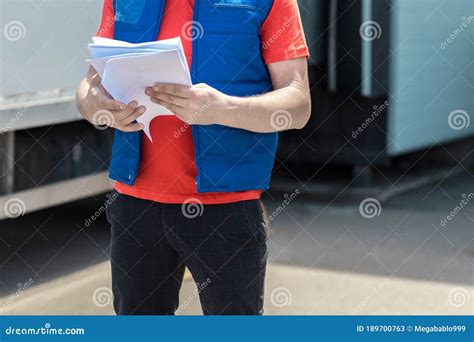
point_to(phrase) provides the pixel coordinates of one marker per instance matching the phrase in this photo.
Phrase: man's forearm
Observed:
(287, 107)
(81, 93)
(282, 109)
(91, 80)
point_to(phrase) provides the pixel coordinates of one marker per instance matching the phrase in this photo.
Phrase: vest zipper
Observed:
(193, 69)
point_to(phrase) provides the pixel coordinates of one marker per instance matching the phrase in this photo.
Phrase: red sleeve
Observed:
(106, 29)
(282, 34)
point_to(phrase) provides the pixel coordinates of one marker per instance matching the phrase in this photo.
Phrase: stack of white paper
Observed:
(128, 69)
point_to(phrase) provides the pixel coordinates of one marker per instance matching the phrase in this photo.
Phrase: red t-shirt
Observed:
(167, 172)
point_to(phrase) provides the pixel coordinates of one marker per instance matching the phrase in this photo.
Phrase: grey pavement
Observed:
(326, 256)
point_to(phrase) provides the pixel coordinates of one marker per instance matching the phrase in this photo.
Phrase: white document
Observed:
(99, 64)
(128, 69)
(105, 51)
(126, 79)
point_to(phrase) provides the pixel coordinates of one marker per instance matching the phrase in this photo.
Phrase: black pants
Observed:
(224, 246)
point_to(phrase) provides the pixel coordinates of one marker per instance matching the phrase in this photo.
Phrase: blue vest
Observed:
(226, 56)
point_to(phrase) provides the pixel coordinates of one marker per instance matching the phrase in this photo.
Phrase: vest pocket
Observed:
(137, 20)
(130, 12)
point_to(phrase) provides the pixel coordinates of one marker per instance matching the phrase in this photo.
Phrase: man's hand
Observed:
(288, 106)
(98, 107)
(199, 104)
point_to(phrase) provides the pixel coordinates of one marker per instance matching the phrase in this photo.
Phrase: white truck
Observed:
(48, 154)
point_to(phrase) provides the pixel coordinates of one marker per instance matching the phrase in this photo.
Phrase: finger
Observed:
(129, 109)
(134, 127)
(111, 104)
(176, 100)
(132, 117)
(172, 107)
(173, 89)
